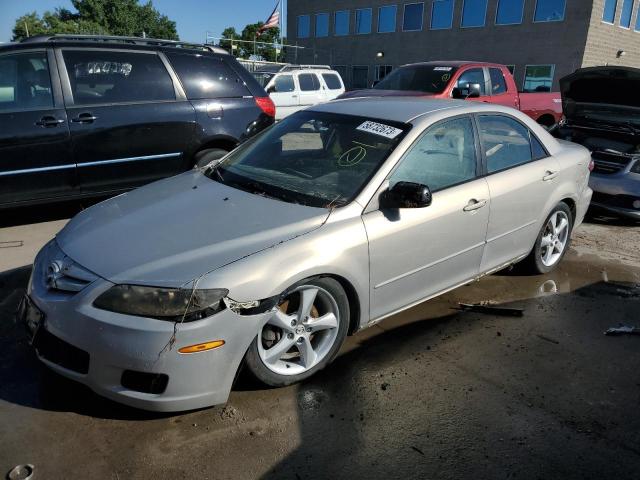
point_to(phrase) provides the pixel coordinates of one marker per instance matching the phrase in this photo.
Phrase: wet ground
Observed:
(432, 393)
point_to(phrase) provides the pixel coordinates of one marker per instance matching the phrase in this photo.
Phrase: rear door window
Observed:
(207, 77)
(332, 81)
(506, 142)
(308, 82)
(498, 84)
(104, 76)
(25, 83)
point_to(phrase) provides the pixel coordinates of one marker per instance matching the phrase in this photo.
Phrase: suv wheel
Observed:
(205, 157)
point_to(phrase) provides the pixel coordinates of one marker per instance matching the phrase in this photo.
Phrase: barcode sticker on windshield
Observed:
(379, 129)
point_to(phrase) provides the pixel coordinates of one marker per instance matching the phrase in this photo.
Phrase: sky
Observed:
(193, 17)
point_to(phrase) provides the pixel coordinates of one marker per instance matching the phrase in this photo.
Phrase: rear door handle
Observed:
(549, 175)
(474, 205)
(84, 118)
(49, 121)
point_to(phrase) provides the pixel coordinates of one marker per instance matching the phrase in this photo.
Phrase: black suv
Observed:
(95, 115)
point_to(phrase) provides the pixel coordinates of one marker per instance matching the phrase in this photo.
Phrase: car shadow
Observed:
(598, 216)
(14, 217)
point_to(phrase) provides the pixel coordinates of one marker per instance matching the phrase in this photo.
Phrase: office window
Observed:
(609, 12)
(474, 13)
(412, 17)
(387, 19)
(304, 26)
(363, 21)
(382, 71)
(627, 11)
(638, 21)
(441, 14)
(538, 78)
(322, 25)
(549, 10)
(360, 76)
(509, 12)
(341, 24)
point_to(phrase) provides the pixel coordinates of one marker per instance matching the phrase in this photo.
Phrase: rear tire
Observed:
(205, 157)
(303, 336)
(552, 242)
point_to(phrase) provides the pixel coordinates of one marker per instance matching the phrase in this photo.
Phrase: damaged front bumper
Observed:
(617, 193)
(132, 359)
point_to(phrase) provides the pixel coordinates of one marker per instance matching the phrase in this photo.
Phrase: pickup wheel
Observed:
(552, 242)
(204, 157)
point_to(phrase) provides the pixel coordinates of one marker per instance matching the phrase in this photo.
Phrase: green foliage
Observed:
(247, 48)
(105, 17)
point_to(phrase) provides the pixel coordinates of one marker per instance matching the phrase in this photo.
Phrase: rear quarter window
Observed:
(308, 82)
(207, 77)
(332, 81)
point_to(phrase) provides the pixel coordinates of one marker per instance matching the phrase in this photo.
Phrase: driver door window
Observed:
(444, 156)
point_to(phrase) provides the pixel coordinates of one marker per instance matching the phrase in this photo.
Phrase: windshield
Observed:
(263, 78)
(311, 158)
(419, 78)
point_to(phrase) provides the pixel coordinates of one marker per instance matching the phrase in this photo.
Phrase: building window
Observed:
(538, 78)
(627, 11)
(359, 76)
(441, 14)
(341, 26)
(363, 20)
(322, 25)
(387, 19)
(609, 12)
(638, 21)
(304, 26)
(474, 13)
(412, 17)
(510, 12)
(549, 10)
(382, 71)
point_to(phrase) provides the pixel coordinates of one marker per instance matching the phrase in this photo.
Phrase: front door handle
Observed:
(49, 121)
(84, 118)
(474, 205)
(549, 175)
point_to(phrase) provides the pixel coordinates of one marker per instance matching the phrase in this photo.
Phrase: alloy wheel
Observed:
(554, 238)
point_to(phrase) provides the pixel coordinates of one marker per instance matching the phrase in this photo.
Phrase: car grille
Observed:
(620, 201)
(61, 353)
(608, 163)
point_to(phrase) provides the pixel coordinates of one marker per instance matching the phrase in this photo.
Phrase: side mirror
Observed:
(375, 82)
(271, 89)
(469, 90)
(406, 195)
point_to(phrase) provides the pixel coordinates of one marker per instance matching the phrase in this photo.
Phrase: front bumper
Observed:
(116, 343)
(616, 193)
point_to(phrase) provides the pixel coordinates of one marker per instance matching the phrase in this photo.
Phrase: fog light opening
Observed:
(636, 204)
(202, 347)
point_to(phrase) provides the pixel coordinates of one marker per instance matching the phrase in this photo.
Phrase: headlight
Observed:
(172, 304)
(636, 167)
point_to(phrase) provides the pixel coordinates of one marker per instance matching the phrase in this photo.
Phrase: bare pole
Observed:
(281, 25)
(26, 27)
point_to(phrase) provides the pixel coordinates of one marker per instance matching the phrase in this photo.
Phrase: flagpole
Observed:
(281, 25)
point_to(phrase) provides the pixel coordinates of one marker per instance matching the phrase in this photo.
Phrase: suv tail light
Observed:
(266, 105)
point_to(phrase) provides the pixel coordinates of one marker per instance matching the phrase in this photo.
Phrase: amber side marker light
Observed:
(202, 347)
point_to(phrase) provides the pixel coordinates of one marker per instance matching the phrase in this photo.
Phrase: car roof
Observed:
(453, 63)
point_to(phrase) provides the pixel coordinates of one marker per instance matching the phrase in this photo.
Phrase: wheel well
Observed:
(547, 120)
(572, 206)
(225, 144)
(354, 303)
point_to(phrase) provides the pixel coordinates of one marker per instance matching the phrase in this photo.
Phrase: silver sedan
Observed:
(330, 221)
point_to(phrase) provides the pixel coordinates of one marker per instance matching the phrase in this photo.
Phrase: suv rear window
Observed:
(332, 81)
(207, 77)
(100, 76)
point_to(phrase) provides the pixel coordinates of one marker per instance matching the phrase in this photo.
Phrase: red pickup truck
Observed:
(479, 81)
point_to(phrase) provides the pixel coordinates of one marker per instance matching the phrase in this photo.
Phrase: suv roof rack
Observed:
(287, 68)
(155, 42)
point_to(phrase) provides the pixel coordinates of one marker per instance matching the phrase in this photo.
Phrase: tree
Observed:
(231, 34)
(262, 46)
(115, 17)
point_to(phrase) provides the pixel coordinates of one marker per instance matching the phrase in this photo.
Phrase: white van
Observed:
(296, 87)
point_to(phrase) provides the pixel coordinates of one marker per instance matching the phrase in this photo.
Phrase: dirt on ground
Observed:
(435, 392)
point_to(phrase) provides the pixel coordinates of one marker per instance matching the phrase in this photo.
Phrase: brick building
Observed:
(540, 40)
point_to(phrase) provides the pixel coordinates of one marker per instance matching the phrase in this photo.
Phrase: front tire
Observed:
(205, 157)
(304, 334)
(552, 242)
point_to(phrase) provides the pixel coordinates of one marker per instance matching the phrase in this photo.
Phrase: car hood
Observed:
(602, 93)
(374, 92)
(172, 231)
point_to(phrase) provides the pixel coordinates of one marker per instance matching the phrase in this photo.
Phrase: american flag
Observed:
(272, 21)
